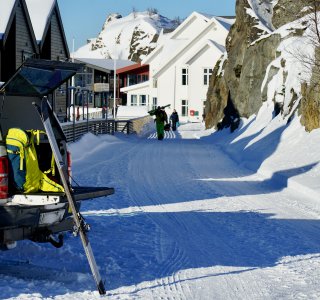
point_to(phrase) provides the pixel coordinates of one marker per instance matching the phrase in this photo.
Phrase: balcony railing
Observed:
(101, 87)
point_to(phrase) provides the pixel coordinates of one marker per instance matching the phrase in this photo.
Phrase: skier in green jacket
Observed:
(161, 118)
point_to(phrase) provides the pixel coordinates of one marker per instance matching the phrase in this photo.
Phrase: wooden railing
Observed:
(74, 131)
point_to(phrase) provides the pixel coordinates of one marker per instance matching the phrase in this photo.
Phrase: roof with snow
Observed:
(204, 47)
(172, 45)
(40, 12)
(5, 12)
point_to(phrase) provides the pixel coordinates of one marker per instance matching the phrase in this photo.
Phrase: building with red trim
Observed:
(131, 75)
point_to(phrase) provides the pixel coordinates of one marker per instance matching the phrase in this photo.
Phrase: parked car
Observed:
(37, 216)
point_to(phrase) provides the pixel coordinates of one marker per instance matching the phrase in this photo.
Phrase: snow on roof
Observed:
(170, 46)
(226, 22)
(107, 64)
(204, 47)
(40, 11)
(221, 48)
(5, 12)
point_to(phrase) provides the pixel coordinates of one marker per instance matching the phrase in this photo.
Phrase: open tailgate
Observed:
(86, 193)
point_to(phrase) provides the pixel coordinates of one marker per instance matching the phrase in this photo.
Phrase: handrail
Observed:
(74, 131)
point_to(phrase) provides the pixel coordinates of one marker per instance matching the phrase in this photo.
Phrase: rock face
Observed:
(242, 80)
(310, 104)
(286, 11)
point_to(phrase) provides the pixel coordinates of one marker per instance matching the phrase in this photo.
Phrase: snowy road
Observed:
(186, 222)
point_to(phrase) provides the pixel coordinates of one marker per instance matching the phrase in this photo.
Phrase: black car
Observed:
(37, 216)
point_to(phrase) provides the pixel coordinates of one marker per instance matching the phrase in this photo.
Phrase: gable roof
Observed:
(172, 46)
(204, 47)
(226, 22)
(8, 13)
(183, 47)
(6, 8)
(40, 14)
(173, 35)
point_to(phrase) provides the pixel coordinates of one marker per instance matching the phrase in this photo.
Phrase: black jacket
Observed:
(174, 117)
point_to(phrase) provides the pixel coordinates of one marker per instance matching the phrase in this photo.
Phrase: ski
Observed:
(80, 226)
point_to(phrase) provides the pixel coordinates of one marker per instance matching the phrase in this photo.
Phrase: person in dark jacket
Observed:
(161, 118)
(174, 118)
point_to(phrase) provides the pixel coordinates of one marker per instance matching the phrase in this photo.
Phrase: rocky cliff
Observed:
(264, 64)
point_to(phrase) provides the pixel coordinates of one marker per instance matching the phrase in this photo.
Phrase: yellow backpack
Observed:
(24, 172)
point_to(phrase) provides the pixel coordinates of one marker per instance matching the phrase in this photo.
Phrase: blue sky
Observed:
(83, 19)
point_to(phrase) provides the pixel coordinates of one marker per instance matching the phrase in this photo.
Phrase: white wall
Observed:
(194, 56)
(197, 90)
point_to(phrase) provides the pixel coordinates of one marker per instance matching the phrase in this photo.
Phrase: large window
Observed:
(136, 78)
(84, 77)
(184, 76)
(184, 108)
(143, 100)
(206, 75)
(134, 100)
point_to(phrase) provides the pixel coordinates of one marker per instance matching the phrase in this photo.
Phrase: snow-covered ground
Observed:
(199, 215)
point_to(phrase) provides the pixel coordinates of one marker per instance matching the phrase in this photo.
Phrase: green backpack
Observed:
(24, 172)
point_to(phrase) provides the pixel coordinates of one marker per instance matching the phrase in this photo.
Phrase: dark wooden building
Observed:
(32, 28)
(52, 44)
(18, 41)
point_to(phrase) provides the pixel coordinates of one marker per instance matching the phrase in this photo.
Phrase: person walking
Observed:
(161, 118)
(174, 118)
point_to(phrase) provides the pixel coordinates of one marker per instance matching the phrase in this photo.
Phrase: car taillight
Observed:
(69, 161)
(4, 167)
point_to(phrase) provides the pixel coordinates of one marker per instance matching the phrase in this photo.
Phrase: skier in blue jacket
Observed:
(174, 118)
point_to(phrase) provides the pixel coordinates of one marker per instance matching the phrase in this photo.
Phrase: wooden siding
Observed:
(24, 43)
(20, 44)
(8, 57)
(58, 52)
(58, 49)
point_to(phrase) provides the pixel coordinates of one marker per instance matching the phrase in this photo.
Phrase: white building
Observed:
(181, 65)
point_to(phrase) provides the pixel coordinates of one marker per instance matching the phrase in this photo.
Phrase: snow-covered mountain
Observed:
(131, 37)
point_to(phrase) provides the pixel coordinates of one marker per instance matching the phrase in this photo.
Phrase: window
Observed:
(145, 78)
(134, 100)
(155, 83)
(184, 76)
(136, 78)
(26, 55)
(206, 75)
(184, 108)
(154, 102)
(143, 100)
